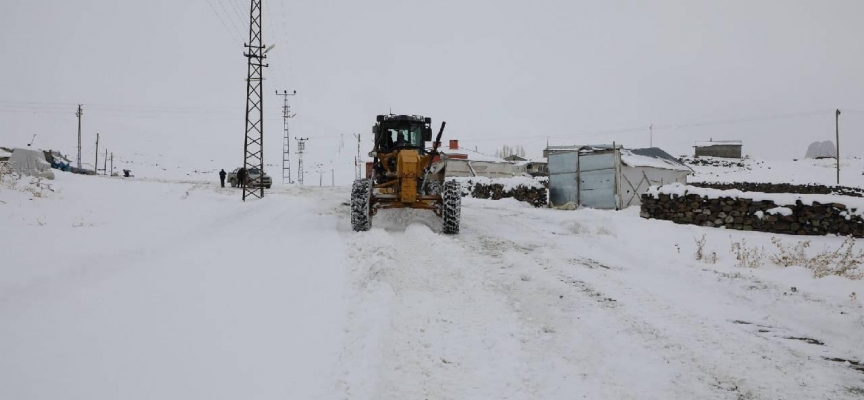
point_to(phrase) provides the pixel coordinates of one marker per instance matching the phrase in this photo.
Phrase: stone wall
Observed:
(781, 188)
(534, 196)
(535, 193)
(713, 162)
(744, 214)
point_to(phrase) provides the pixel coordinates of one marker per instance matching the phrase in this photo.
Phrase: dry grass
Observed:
(790, 255)
(747, 256)
(844, 261)
(700, 248)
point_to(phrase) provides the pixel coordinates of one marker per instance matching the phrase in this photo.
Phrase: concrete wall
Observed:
(724, 151)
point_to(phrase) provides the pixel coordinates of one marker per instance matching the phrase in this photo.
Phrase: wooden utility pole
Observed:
(112, 164)
(96, 164)
(105, 163)
(78, 114)
(837, 132)
(651, 135)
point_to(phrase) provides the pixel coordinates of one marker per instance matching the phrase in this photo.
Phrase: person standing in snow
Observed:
(222, 177)
(241, 177)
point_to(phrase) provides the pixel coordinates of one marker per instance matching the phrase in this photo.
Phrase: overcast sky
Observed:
(168, 76)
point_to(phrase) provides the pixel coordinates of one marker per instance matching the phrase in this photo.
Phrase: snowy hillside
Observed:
(800, 171)
(116, 288)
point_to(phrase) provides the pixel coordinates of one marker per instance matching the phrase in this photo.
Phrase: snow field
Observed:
(166, 291)
(133, 289)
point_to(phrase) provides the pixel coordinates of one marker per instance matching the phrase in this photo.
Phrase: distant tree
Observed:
(507, 151)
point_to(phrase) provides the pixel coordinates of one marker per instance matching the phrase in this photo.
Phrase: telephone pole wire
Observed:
(286, 138)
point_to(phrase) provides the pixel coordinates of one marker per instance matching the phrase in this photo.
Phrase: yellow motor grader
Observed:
(402, 174)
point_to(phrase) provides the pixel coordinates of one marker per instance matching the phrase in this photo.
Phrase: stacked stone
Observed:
(741, 214)
(782, 188)
(535, 196)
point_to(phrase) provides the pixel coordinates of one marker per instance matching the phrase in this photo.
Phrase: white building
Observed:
(607, 178)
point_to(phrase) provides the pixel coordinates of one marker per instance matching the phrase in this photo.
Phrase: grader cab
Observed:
(402, 175)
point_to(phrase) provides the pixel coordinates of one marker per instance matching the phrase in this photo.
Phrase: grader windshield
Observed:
(402, 134)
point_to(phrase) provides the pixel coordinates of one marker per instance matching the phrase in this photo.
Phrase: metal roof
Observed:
(659, 154)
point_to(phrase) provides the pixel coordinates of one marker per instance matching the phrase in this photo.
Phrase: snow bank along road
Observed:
(139, 290)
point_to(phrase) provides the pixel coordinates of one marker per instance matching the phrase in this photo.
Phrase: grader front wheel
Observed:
(361, 197)
(451, 209)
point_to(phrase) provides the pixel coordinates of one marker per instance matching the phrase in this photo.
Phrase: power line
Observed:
(661, 127)
(743, 120)
(237, 11)
(223, 21)
(228, 16)
(287, 50)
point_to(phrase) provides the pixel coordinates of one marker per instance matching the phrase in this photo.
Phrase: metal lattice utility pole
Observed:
(78, 114)
(301, 147)
(253, 146)
(286, 139)
(837, 132)
(96, 164)
(357, 160)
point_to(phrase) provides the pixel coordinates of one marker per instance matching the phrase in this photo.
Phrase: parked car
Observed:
(254, 173)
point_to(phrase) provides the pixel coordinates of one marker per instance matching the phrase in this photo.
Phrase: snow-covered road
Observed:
(141, 290)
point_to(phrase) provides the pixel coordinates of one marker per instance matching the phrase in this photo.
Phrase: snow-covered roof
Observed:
(532, 161)
(719, 143)
(582, 148)
(5, 154)
(652, 157)
(475, 156)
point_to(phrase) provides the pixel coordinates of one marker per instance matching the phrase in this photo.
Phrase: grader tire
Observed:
(451, 209)
(361, 197)
(432, 188)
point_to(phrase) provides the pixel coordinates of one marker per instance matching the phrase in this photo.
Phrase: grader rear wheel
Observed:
(432, 188)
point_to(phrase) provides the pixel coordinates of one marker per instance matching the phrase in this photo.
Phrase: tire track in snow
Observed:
(728, 359)
(425, 325)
